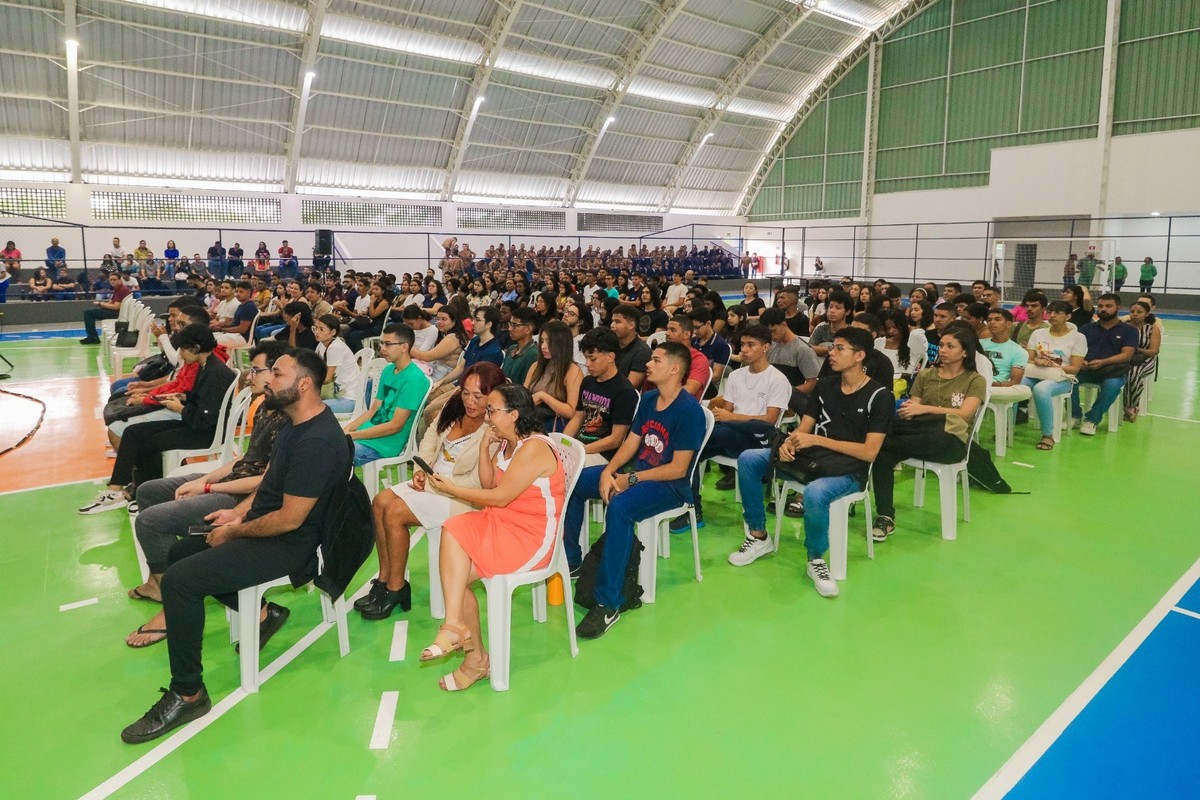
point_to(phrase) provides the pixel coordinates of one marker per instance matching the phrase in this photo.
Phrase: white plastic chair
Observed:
(373, 471)
(656, 338)
(948, 476)
(140, 322)
(655, 534)
(372, 342)
(839, 524)
(365, 361)
(500, 587)
(243, 627)
(108, 327)
(239, 352)
(228, 437)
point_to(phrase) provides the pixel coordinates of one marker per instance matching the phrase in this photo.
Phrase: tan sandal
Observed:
(1047, 443)
(461, 641)
(465, 677)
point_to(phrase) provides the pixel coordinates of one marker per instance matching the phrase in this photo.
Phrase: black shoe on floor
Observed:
(597, 622)
(276, 616)
(575, 570)
(166, 715)
(90, 340)
(387, 601)
(795, 508)
(727, 482)
(378, 587)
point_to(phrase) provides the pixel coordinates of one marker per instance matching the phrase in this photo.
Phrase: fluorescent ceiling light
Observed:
(336, 191)
(555, 70)
(264, 13)
(181, 183)
(34, 176)
(507, 201)
(374, 34)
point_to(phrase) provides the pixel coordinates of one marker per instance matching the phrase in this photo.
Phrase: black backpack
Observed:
(982, 472)
(585, 585)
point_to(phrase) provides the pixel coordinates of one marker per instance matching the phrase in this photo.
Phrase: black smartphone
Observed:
(420, 462)
(199, 530)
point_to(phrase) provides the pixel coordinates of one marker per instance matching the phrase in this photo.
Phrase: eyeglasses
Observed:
(389, 344)
(844, 348)
(489, 410)
(252, 371)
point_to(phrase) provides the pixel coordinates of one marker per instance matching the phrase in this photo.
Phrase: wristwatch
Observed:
(633, 479)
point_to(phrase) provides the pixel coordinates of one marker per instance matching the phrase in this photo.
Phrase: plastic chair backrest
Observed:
(571, 455)
(709, 423)
(370, 377)
(414, 441)
(237, 432)
(223, 415)
(656, 338)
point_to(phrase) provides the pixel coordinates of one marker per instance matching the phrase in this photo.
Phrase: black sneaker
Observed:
(796, 507)
(575, 570)
(166, 715)
(882, 528)
(727, 482)
(597, 622)
(276, 616)
(89, 340)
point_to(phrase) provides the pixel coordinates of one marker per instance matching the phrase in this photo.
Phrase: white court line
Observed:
(1177, 419)
(91, 601)
(382, 734)
(1185, 611)
(53, 485)
(365, 797)
(1023, 464)
(399, 641)
(173, 742)
(1036, 746)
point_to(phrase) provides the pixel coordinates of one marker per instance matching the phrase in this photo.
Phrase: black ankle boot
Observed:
(378, 587)
(382, 607)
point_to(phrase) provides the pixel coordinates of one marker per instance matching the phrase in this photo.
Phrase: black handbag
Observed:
(125, 337)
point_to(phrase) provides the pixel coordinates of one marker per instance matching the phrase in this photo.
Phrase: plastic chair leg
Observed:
(648, 568)
(695, 544)
(868, 520)
(948, 491)
(919, 488)
(1000, 413)
(839, 538)
(248, 602)
(437, 600)
(966, 490)
(499, 600)
(564, 574)
(539, 602)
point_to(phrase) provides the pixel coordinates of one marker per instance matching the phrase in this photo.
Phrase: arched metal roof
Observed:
(632, 104)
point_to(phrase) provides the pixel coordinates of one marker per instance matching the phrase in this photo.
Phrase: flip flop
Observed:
(134, 594)
(144, 630)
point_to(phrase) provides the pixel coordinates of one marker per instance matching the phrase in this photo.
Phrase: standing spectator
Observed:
(105, 309)
(1069, 270)
(216, 260)
(1145, 280)
(1087, 269)
(1145, 359)
(1120, 274)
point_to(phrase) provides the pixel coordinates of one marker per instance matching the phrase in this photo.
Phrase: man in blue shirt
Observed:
(666, 435)
(1111, 344)
(713, 346)
(237, 331)
(56, 256)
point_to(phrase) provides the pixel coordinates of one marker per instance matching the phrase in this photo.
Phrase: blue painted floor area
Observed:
(1137, 737)
(28, 336)
(1191, 600)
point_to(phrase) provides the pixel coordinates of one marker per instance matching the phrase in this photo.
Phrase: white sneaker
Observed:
(105, 501)
(752, 548)
(818, 570)
(1087, 428)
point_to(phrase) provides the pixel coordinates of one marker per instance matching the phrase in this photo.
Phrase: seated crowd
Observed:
(480, 369)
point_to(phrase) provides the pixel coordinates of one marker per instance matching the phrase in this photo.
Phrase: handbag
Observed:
(125, 337)
(802, 468)
(1041, 373)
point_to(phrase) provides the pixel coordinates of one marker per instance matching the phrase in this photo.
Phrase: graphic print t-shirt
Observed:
(605, 404)
(679, 426)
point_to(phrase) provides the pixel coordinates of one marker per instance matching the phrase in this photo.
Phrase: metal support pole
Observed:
(916, 248)
(1167, 258)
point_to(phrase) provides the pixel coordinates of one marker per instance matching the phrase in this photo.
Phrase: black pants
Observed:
(730, 439)
(142, 446)
(920, 438)
(197, 571)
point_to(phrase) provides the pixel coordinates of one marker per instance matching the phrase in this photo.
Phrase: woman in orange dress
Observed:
(522, 496)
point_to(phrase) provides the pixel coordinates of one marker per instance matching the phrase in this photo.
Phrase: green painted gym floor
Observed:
(933, 666)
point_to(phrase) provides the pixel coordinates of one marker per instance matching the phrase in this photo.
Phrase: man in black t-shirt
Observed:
(840, 434)
(787, 300)
(270, 534)
(607, 400)
(634, 353)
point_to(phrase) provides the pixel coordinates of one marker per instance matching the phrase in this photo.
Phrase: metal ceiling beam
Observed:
(502, 21)
(87, 19)
(591, 20)
(178, 112)
(72, 45)
(737, 80)
(380, 134)
(289, 90)
(806, 104)
(635, 58)
(308, 62)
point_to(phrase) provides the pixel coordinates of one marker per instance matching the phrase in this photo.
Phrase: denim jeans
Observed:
(1110, 390)
(340, 405)
(818, 496)
(730, 440)
(1044, 392)
(364, 454)
(119, 385)
(752, 466)
(638, 502)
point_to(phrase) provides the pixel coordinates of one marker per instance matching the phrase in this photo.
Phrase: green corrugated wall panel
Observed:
(936, 16)
(911, 115)
(1064, 26)
(847, 124)
(984, 103)
(970, 156)
(908, 162)
(854, 82)
(767, 201)
(1140, 18)
(1159, 78)
(988, 42)
(933, 182)
(844, 167)
(917, 58)
(809, 139)
(799, 171)
(974, 9)
(843, 197)
(1063, 91)
(1156, 126)
(802, 199)
(775, 176)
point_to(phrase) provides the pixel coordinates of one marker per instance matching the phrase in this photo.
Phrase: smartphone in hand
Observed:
(200, 530)
(420, 462)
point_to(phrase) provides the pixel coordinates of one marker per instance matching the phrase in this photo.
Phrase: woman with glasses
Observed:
(521, 496)
(451, 448)
(579, 319)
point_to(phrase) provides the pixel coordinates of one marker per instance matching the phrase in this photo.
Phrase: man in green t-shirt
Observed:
(521, 354)
(382, 430)
(1087, 269)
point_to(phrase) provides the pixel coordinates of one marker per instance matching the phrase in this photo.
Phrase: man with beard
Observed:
(1111, 344)
(272, 533)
